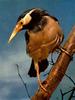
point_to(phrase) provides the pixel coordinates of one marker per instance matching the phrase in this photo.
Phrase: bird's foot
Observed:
(42, 87)
(66, 52)
(38, 76)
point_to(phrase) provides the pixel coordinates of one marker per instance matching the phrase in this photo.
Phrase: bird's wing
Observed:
(27, 41)
(26, 37)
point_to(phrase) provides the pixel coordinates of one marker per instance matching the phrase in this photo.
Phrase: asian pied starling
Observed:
(43, 36)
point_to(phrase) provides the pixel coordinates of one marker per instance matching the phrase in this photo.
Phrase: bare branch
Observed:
(70, 79)
(71, 96)
(22, 80)
(62, 96)
(58, 70)
(72, 90)
(67, 92)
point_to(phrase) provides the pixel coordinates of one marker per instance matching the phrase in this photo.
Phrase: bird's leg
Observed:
(38, 76)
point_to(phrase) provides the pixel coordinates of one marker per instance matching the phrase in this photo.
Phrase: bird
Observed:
(43, 37)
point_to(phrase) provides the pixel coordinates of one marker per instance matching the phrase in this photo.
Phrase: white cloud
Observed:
(4, 92)
(8, 61)
(10, 90)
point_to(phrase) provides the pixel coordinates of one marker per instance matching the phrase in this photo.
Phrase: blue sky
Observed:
(10, 54)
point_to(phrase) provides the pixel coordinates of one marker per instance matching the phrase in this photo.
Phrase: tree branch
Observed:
(71, 90)
(58, 70)
(22, 81)
(71, 95)
(70, 79)
(62, 95)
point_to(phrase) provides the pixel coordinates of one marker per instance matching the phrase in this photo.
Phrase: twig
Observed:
(71, 96)
(22, 80)
(62, 96)
(68, 92)
(70, 79)
(72, 90)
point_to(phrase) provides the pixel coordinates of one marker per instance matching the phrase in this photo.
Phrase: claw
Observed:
(38, 76)
(65, 51)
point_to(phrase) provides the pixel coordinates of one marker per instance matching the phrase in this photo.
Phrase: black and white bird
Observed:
(43, 36)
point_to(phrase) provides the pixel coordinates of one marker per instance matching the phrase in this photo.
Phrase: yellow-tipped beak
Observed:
(12, 36)
(15, 31)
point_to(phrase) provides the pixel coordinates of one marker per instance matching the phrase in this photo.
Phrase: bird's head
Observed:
(27, 20)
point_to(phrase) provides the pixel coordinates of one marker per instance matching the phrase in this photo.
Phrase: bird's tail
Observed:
(43, 64)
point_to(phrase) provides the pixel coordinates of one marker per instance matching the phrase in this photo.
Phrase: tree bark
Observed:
(58, 70)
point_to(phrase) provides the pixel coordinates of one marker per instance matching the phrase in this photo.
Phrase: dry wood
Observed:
(58, 70)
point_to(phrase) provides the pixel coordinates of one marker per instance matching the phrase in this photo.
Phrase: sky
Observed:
(11, 87)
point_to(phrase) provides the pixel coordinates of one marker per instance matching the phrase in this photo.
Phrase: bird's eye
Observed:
(21, 23)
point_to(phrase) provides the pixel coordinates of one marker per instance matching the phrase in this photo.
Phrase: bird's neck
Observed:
(37, 25)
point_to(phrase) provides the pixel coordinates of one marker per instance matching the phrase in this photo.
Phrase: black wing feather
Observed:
(42, 66)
